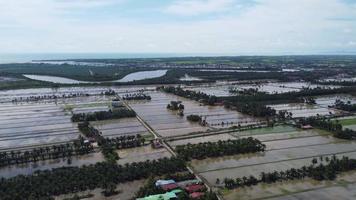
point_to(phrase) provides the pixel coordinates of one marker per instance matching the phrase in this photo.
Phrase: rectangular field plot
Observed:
(342, 188)
(329, 100)
(168, 123)
(276, 155)
(120, 127)
(9, 95)
(141, 154)
(272, 87)
(29, 168)
(339, 190)
(304, 110)
(34, 124)
(210, 138)
(266, 130)
(291, 149)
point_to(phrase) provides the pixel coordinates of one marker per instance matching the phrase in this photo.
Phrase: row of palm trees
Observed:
(136, 96)
(326, 169)
(341, 105)
(220, 148)
(78, 147)
(103, 115)
(63, 96)
(197, 96)
(47, 183)
(256, 109)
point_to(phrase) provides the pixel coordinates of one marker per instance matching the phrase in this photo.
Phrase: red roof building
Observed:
(194, 188)
(196, 195)
(169, 187)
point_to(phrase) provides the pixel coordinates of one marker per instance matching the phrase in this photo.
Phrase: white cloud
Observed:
(270, 26)
(198, 7)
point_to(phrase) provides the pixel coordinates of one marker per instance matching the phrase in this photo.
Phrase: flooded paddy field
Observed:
(269, 87)
(34, 124)
(120, 127)
(343, 187)
(305, 110)
(29, 168)
(287, 150)
(9, 95)
(286, 147)
(126, 191)
(196, 140)
(168, 123)
(329, 100)
(141, 154)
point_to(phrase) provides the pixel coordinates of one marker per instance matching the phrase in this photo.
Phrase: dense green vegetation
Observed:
(329, 125)
(78, 147)
(45, 184)
(253, 68)
(345, 106)
(327, 169)
(197, 96)
(194, 118)
(254, 108)
(136, 96)
(63, 96)
(103, 115)
(77, 72)
(220, 148)
(175, 105)
(289, 97)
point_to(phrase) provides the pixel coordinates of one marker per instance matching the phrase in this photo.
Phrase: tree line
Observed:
(63, 96)
(47, 183)
(78, 147)
(289, 97)
(327, 169)
(136, 96)
(197, 96)
(103, 115)
(194, 118)
(220, 148)
(256, 109)
(341, 105)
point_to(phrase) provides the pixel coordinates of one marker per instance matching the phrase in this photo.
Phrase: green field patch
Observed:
(347, 122)
(267, 130)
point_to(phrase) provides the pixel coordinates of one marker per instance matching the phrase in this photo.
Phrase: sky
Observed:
(231, 27)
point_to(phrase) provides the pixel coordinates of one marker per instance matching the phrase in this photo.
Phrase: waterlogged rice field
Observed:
(167, 123)
(305, 110)
(29, 168)
(34, 124)
(8, 95)
(270, 87)
(120, 127)
(141, 154)
(196, 140)
(342, 188)
(286, 147)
